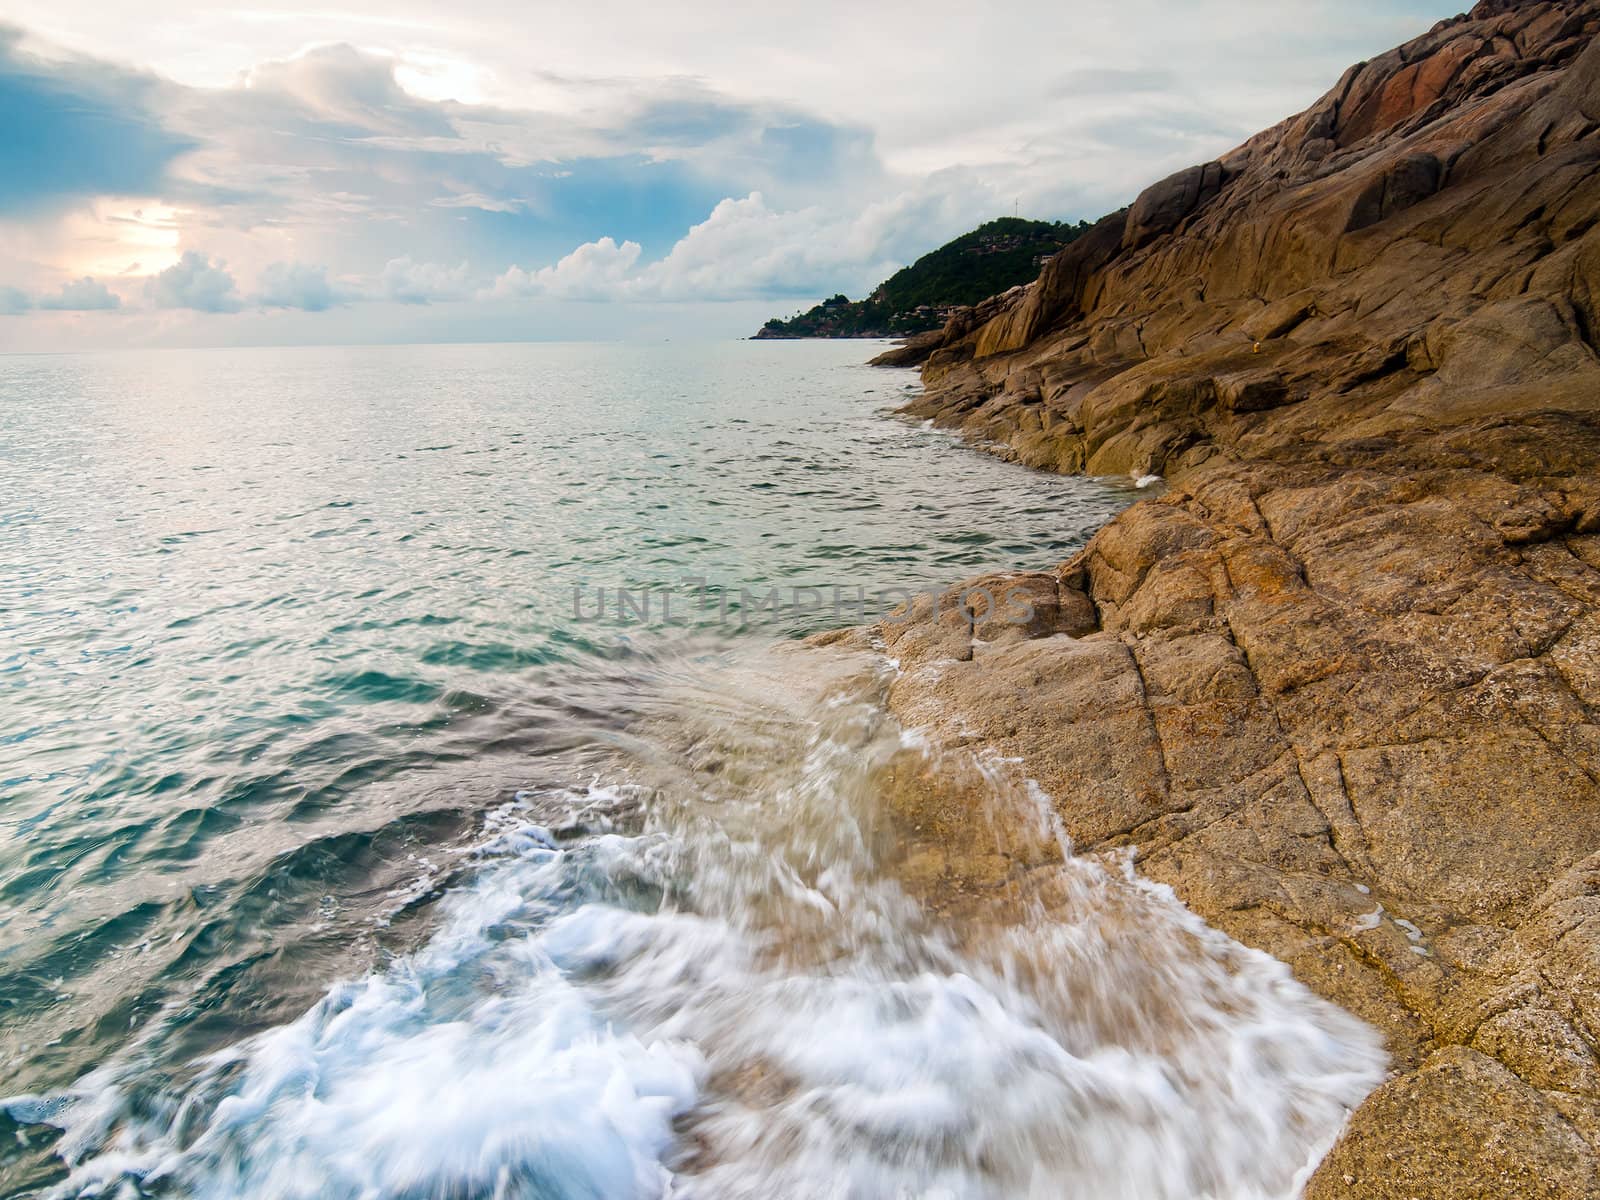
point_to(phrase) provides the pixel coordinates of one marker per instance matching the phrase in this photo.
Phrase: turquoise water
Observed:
(353, 843)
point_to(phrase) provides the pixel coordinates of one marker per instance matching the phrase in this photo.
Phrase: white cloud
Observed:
(350, 86)
(1005, 84)
(408, 282)
(594, 271)
(746, 249)
(478, 201)
(194, 282)
(297, 285)
(385, 142)
(82, 295)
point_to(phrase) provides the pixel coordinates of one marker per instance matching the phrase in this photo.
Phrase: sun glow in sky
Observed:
(186, 173)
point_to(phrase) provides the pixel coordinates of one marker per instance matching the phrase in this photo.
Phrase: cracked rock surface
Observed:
(1340, 685)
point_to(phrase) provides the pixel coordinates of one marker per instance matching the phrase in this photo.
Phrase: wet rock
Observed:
(1462, 1126)
(1338, 687)
(913, 352)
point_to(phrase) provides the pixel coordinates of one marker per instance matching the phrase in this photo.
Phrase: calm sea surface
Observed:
(359, 839)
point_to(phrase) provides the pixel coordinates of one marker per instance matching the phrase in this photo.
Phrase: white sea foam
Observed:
(475, 1067)
(1410, 929)
(1369, 920)
(736, 999)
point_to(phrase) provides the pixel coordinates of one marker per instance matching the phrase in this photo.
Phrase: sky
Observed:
(201, 174)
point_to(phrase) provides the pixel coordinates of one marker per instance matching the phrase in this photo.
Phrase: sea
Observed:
(419, 779)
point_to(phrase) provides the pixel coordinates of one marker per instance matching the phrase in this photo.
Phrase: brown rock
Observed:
(1164, 205)
(1339, 685)
(1463, 1126)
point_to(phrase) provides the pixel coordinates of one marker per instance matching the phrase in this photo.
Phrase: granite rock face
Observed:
(1340, 685)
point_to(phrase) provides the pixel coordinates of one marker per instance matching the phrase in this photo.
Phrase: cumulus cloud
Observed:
(82, 295)
(340, 84)
(594, 271)
(325, 143)
(747, 249)
(196, 282)
(408, 282)
(682, 167)
(78, 295)
(297, 285)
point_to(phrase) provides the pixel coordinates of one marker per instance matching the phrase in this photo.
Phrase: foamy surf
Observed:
(474, 1067)
(707, 982)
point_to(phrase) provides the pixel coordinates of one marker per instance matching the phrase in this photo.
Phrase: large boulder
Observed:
(1163, 207)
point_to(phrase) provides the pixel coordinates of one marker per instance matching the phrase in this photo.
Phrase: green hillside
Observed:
(993, 257)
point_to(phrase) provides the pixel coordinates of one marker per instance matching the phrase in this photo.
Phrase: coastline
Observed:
(1339, 686)
(1299, 794)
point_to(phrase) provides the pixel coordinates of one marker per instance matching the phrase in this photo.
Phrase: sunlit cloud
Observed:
(375, 162)
(194, 282)
(594, 271)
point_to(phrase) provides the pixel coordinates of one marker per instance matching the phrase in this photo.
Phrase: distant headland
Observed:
(991, 259)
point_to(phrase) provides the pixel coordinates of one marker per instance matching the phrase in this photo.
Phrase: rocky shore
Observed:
(1339, 686)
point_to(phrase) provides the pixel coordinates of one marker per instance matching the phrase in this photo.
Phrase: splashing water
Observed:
(705, 977)
(287, 630)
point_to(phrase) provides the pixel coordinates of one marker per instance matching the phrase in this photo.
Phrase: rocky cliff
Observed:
(1340, 685)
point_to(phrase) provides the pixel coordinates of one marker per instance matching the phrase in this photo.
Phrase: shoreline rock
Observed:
(1340, 685)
